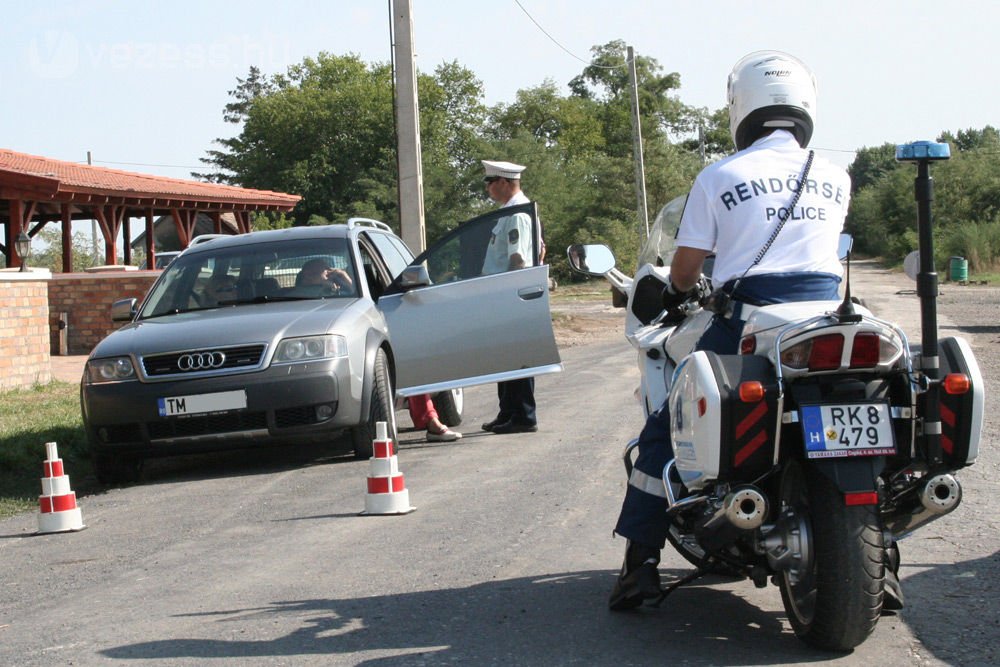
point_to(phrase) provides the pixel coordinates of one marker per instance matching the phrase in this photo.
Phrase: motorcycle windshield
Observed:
(661, 244)
(659, 247)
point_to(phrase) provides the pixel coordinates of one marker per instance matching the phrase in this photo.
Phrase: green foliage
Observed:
(46, 250)
(28, 419)
(979, 243)
(263, 221)
(966, 203)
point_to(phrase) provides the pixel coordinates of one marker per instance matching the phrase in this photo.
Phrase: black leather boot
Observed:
(638, 580)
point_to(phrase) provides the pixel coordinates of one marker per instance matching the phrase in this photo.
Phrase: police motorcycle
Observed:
(804, 458)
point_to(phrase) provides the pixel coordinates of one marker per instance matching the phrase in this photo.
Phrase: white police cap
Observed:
(503, 169)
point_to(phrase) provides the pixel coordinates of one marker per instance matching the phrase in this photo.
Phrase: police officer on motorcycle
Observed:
(771, 214)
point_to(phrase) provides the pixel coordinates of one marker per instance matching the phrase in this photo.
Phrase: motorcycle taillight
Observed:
(865, 351)
(826, 352)
(821, 353)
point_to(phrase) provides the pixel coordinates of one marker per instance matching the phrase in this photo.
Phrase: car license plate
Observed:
(175, 406)
(860, 429)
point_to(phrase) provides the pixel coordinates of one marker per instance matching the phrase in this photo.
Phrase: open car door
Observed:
(451, 325)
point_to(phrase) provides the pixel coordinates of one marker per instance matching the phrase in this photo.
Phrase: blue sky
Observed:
(142, 84)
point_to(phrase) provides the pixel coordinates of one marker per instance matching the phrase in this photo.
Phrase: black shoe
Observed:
(489, 426)
(514, 427)
(638, 580)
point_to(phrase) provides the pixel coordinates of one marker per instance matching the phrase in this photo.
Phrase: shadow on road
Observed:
(551, 620)
(970, 637)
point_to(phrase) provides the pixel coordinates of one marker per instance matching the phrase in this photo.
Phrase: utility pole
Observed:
(701, 144)
(640, 167)
(93, 226)
(411, 177)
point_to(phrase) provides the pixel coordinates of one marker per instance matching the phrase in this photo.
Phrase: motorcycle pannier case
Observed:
(961, 414)
(717, 436)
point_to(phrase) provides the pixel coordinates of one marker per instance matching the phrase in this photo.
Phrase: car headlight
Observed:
(310, 348)
(112, 369)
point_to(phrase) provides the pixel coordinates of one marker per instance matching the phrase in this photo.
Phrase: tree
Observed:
(870, 164)
(46, 250)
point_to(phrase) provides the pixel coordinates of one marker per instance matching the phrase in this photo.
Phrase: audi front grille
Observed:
(195, 362)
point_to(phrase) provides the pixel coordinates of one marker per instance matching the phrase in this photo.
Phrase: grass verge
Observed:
(28, 419)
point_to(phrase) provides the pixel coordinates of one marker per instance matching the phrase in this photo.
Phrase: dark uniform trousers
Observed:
(517, 401)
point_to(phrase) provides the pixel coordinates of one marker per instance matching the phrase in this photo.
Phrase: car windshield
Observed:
(254, 273)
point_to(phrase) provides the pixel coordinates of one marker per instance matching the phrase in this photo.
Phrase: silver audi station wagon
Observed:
(307, 334)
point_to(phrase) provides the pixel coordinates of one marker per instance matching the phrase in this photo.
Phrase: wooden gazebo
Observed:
(36, 191)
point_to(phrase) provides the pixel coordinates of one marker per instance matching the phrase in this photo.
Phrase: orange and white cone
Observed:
(387, 492)
(57, 504)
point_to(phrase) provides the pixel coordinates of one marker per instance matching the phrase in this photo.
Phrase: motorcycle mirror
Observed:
(911, 265)
(844, 245)
(590, 259)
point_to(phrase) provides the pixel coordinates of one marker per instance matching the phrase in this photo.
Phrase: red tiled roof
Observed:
(55, 177)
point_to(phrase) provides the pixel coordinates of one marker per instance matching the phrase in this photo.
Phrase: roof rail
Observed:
(368, 222)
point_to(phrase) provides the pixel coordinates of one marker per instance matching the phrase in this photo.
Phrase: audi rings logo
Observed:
(201, 361)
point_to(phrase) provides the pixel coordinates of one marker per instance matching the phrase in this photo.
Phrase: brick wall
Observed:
(86, 298)
(24, 331)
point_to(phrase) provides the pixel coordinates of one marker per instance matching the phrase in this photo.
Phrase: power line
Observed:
(556, 42)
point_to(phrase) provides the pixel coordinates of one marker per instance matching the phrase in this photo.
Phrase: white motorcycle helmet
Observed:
(771, 89)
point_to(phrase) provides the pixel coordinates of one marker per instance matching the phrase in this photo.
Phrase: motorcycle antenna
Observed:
(846, 312)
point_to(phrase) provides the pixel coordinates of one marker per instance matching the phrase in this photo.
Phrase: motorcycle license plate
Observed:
(859, 429)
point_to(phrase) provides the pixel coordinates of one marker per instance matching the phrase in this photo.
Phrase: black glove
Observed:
(673, 298)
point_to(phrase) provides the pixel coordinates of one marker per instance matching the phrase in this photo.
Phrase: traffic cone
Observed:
(57, 504)
(387, 492)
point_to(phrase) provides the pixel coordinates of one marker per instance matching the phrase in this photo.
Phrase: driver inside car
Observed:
(318, 272)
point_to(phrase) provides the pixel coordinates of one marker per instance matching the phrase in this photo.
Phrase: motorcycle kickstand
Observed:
(664, 592)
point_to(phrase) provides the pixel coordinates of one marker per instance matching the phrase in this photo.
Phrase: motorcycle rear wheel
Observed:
(833, 591)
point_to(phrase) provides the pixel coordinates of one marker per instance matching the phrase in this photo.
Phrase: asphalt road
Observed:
(262, 558)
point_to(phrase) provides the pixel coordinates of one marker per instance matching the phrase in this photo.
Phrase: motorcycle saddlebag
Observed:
(717, 436)
(962, 414)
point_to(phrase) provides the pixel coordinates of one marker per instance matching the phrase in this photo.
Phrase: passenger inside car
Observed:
(219, 288)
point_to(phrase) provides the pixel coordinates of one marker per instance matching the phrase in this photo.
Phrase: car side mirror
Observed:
(123, 310)
(414, 276)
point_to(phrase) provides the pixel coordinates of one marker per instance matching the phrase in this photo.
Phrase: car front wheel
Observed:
(449, 406)
(380, 409)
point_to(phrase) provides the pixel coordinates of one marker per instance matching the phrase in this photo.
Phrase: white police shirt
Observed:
(511, 235)
(735, 205)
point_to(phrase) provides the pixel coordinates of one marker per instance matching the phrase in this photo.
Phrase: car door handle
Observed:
(529, 293)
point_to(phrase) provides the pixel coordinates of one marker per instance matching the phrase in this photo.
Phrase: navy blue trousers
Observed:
(517, 401)
(643, 516)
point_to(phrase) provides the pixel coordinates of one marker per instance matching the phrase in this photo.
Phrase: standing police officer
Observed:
(772, 214)
(511, 247)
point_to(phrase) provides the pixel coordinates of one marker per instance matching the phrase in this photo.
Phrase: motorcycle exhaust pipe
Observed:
(941, 494)
(745, 507)
(938, 496)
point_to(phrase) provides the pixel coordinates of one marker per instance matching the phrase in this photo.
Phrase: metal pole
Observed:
(922, 153)
(411, 178)
(93, 228)
(640, 167)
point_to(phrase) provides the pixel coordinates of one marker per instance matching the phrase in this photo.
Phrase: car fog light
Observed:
(323, 412)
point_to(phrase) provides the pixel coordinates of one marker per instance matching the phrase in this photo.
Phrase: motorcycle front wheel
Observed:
(832, 591)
